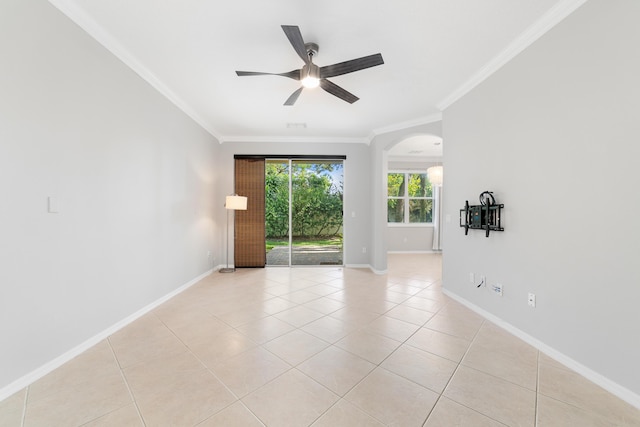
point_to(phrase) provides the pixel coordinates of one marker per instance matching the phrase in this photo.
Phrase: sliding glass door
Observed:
(303, 215)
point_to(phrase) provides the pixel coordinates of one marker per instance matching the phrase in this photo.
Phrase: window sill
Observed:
(412, 225)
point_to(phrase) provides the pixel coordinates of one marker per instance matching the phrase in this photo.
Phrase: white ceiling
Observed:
(417, 146)
(434, 50)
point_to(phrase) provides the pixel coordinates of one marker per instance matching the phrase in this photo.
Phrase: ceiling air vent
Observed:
(296, 125)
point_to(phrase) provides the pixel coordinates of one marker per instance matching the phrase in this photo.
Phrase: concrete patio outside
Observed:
(305, 255)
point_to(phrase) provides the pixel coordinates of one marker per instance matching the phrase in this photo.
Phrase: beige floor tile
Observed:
(405, 289)
(295, 347)
(323, 289)
(222, 347)
(192, 325)
(301, 297)
(553, 413)
(276, 305)
(392, 328)
(548, 360)
(572, 388)
(293, 399)
(250, 370)
(426, 369)
(243, 315)
(147, 378)
(355, 318)
(435, 295)
(424, 304)
(372, 347)
(324, 305)
(236, 415)
(237, 336)
(395, 297)
(376, 306)
(12, 409)
(441, 344)
(125, 416)
(410, 315)
(344, 414)
(494, 397)
(80, 372)
(336, 369)
(80, 403)
(298, 316)
(265, 329)
(496, 352)
(144, 340)
(448, 413)
(189, 401)
(328, 329)
(85, 388)
(392, 399)
(454, 325)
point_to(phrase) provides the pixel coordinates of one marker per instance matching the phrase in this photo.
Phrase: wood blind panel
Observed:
(250, 233)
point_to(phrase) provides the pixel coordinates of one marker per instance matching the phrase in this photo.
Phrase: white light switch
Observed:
(353, 214)
(53, 205)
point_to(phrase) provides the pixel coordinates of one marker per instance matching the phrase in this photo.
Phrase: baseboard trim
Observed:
(415, 252)
(612, 387)
(50, 366)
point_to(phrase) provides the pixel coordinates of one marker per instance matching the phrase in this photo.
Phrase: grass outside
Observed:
(307, 241)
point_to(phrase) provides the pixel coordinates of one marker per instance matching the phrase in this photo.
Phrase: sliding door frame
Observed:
(290, 159)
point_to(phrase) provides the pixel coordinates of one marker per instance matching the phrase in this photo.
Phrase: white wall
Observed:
(357, 182)
(134, 177)
(555, 134)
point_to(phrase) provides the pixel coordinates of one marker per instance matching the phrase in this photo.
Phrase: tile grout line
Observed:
(124, 378)
(453, 374)
(204, 365)
(24, 405)
(537, 403)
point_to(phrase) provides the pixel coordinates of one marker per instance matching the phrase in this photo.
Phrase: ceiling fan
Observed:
(310, 75)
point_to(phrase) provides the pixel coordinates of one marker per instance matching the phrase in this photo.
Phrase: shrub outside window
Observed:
(409, 198)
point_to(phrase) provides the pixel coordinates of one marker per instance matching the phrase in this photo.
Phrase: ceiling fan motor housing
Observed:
(312, 49)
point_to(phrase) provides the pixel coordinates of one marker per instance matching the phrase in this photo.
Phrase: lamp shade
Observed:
(435, 175)
(236, 203)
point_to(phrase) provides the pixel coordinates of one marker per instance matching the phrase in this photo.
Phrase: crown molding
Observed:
(88, 24)
(405, 125)
(534, 32)
(415, 159)
(294, 139)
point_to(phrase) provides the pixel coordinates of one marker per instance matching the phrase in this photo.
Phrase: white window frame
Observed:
(405, 200)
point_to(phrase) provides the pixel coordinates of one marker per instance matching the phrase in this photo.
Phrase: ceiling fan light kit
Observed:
(312, 76)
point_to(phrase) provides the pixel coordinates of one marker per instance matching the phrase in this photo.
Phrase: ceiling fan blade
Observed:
(295, 74)
(294, 97)
(351, 66)
(336, 90)
(296, 40)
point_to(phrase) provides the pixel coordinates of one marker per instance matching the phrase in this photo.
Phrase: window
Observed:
(409, 198)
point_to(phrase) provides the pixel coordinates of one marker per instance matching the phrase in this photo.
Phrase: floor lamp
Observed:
(233, 203)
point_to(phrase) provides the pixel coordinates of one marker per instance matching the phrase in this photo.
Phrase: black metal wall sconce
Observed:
(485, 216)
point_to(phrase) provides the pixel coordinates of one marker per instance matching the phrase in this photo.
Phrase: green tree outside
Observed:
(317, 201)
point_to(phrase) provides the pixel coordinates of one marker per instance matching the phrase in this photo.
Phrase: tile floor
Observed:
(315, 346)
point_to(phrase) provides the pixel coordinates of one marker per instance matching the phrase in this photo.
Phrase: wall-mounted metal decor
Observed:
(485, 216)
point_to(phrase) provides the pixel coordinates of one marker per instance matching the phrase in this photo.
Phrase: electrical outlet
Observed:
(364, 249)
(472, 278)
(497, 288)
(531, 299)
